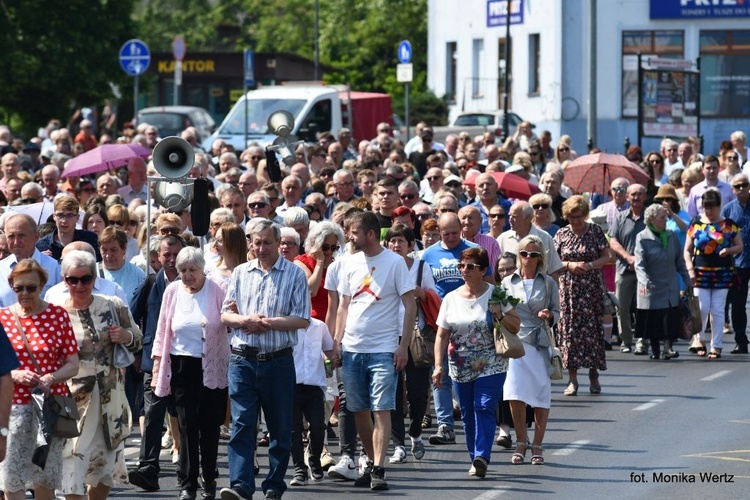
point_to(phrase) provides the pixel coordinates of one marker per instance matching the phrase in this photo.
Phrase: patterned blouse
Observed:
(712, 271)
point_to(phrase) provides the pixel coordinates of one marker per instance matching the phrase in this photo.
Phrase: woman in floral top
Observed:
(478, 373)
(712, 242)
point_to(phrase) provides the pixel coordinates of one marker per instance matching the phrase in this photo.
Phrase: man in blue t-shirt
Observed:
(443, 258)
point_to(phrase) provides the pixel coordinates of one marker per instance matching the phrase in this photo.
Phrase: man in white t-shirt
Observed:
(372, 284)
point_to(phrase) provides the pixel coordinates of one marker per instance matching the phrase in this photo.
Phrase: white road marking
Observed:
(649, 405)
(493, 493)
(568, 450)
(716, 375)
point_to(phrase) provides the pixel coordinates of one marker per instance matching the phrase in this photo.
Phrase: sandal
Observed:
(264, 442)
(518, 458)
(714, 354)
(572, 389)
(595, 387)
(537, 458)
(696, 345)
(701, 352)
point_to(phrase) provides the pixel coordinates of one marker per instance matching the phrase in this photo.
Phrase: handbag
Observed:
(690, 311)
(556, 371)
(59, 413)
(422, 345)
(121, 356)
(507, 344)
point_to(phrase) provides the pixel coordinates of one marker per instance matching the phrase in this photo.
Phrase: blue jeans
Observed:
(269, 385)
(478, 400)
(370, 381)
(443, 397)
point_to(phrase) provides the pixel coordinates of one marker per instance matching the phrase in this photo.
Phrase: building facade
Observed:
(550, 57)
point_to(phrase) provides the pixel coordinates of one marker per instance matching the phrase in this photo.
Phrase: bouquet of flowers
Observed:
(501, 302)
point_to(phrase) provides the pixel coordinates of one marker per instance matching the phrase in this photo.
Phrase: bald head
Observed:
(450, 230)
(78, 245)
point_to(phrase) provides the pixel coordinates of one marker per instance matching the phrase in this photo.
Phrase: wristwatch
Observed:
(4, 431)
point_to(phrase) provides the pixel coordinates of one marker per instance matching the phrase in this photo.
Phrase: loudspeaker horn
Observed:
(281, 123)
(173, 157)
(173, 196)
(282, 146)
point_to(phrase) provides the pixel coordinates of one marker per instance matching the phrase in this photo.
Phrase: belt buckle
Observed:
(262, 356)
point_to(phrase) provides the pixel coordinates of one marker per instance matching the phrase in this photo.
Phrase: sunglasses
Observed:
(116, 222)
(619, 189)
(731, 158)
(564, 149)
(256, 157)
(26, 288)
(258, 204)
(169, 230)
(330, 248)
(710, 205)
(74, 280)
(407, 196)
(433, 178)
(497, 216)
(540, 206)
(453, 185)
(469, 266)
(526, 254)
(741, 185)
(656, 161)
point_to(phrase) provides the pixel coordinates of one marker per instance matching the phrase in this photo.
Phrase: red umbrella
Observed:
(104, 157)
(515, 186)
(595, 173)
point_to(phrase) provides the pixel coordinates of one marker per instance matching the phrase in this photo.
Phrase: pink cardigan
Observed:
(216, 349)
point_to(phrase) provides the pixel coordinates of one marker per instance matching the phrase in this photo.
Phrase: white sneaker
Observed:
(326, 460)
(345, 469)
(166, 440)
(399, 455)
(362, 462)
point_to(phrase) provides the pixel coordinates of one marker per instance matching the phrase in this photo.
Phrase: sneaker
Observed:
(346, 469)
(316, 472)
(362, 462)
(480, 467)
(273, 495)
(326, 460)
(399, 455)
(417, 449)
(366, 477)
(167, 441)
(377, 479)
(209, 490)
(231, 494)
(299, 479)
(444, 435)
(626, 349)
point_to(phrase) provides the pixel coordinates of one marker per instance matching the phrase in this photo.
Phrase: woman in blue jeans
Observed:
(478, 373)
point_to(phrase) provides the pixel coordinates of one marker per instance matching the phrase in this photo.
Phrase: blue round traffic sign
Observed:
(404, 52)
(134, 57)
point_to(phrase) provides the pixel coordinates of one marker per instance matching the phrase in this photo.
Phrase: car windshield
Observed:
(258, 111)
(167, 123)
(475, 120)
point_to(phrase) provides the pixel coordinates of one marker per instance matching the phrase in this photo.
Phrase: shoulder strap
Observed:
(419, 272)
(26, 343)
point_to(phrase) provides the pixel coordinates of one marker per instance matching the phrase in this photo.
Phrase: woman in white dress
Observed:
(528, 381)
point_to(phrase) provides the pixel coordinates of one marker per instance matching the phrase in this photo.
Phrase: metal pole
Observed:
(244, 92)
(506, 132)
(316, 75)
(176, 89)
(698, 106)
(592, 118)
(406, 110)
(135, 96)
(640, 100)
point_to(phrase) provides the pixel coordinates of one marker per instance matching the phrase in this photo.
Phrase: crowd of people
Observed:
(294, 318)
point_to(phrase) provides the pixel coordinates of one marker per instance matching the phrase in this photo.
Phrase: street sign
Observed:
(249, 68)
(178, 48)
(404, 73)
(134, 57)
(404, 52)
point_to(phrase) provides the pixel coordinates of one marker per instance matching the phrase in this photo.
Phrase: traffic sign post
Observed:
(404, 74)
(178, 51)
(134, 60)
(248, 60)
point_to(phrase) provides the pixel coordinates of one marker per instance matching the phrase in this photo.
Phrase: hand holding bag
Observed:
(122, 357)
(422, 345)
(556, 372)
(507, 344)
(690, 311)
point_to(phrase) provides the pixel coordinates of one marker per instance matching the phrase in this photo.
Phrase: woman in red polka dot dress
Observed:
(51, 338)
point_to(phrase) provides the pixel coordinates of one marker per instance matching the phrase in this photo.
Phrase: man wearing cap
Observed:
(739, 211)
(453, 184)
(85, 136)
(418, 158)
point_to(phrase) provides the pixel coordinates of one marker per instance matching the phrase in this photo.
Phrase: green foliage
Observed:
(423, 106)
(58, 55)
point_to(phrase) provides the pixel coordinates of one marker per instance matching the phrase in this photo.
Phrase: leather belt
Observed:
(254, 353)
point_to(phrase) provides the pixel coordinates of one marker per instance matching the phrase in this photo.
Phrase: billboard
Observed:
(699, 9)
(669, 102)
(497, 11)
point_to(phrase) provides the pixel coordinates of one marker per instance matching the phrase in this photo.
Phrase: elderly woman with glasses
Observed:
(478, 373)
(56, 354)
(94, 462)
(544, 217)
(191, 362)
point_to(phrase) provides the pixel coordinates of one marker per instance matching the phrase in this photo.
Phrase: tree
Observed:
(59, 55)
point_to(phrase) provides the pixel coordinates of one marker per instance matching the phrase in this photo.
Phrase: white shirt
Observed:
(129, 194)
(308, 353)
(509, 240)
(7, 295)
(59, 293)
(187, 323)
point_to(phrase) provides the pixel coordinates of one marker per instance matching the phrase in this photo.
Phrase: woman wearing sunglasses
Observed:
(94, 462)
(527, 382)
(56, 352)
(544, 217)
(478, 373)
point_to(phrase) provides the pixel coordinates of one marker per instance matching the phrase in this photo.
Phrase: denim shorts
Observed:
(370, 381)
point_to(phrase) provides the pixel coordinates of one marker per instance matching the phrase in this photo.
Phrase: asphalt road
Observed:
(660, 429)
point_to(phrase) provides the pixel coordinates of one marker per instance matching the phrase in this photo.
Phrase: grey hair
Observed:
(78, 258)
(190, 255)
(258, 224)
(526, 209)
(337, 176)
(296, 215)
(259, 196)
(234, 171)
(651, 212)
(288, 232)
(535, 240)
(409, 184)
(738, 135)
(33, 187)
(315, 197)
(320, 232)
(222, 213)
(296, 180)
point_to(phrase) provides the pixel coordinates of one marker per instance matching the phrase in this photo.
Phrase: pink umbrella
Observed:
(104, 157)
(594, 173)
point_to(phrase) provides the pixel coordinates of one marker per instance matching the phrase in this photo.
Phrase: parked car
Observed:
(488, 119)
(171, 120)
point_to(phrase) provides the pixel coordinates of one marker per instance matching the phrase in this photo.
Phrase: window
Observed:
(664, 44)
(725, 73)
(476, 64)
(317, 120)
(534, 56)
(451, 56)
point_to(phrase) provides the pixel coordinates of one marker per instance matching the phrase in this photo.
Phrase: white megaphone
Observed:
(173, 196)
(281, 123)
(173, 157)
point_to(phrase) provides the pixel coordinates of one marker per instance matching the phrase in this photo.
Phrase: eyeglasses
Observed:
(216, 224)
(619, 189)
(563, 149)
(256, 157)
(741, 185)
(407, 196)
(329, 248)
(169, 230)
(66, 216)
(26, 288)
(505, 270)
(526, 254)
(656, 161)
(541, 206)
(469, 266)
(497, 216)
(74, 280)
(345, 184)
(434, 178)
(282, 243)
(257, 204)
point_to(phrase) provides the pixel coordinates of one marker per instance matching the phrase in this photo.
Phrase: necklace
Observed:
(473, 298)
